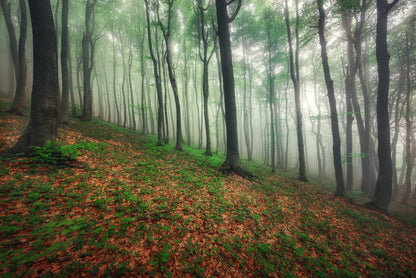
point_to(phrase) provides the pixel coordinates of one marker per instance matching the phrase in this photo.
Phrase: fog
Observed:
(124, 90)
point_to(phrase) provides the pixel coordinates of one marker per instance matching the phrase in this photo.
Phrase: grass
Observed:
(124, 207)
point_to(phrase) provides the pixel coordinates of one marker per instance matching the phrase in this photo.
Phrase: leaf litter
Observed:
(132, 209)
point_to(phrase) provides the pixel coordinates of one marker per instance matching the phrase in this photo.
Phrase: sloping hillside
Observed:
(127, 208)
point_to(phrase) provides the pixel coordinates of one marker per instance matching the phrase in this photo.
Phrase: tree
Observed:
(232, 160)
(294, 74)
(18, 53)
(336, 140)
(88, 47)
(43, 123)
(157, 77)
(64, 63)
(382, 195)
(167, 36)
(410, 157)
(271, 95)
(205, 57)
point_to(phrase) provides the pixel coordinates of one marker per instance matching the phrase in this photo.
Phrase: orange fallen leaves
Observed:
(217, 230)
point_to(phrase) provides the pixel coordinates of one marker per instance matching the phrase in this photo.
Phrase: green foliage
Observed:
(57, 154)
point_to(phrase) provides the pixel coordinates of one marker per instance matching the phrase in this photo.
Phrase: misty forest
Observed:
(208, 138)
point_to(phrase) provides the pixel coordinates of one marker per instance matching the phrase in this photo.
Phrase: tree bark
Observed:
(19, 50)
(203, 35)
(232, 160)
(6, 7)
(408, 117)
(157, 79)
(383, 191)
(64, 63)
(114, 84)
(43, 123)
(294, 74)
(143, 107)
(166, 34)
(88, 45)
(332, 103)
(271, 99)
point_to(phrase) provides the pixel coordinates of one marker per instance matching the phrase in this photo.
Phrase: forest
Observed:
(205, 138)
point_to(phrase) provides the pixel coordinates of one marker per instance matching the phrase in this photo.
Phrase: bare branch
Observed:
(391, 5)
(236, 10)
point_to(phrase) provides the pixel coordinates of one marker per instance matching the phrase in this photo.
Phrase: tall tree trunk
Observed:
(157, 79)
(143, 107)
(399, 106)
(79, 64)
(64, 63)
(203, 35)
(87, 59)
(71, 81)
(165, 87)
(271, 99)
(232, 160)
(205, 91)
(6, 8)
(408, 117)
(197, 102)
(18, 55)
(221, 100)
(166, 34)
(367, 180)
(107, 93)
(186, 93)
(294, 74)
(123, 84)
(247, 116)
(43, 123)
(114, 85)
(332, 103)
(382, 195)
(350, 74)
(287, 125)
(130, 63)
(19, 102)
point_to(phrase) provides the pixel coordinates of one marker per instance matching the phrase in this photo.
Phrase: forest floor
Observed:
(127, 208)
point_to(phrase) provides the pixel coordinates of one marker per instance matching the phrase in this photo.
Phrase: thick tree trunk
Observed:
(43, 123)
(232, 161)
(332, 103)
(383, 191)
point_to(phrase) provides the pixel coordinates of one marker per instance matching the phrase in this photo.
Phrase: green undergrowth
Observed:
(134, 209)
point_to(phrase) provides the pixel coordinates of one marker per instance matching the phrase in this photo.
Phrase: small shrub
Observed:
(56, 153)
